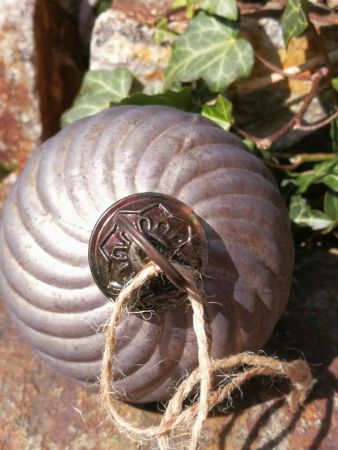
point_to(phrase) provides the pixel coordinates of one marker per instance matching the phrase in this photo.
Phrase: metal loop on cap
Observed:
(149, 249)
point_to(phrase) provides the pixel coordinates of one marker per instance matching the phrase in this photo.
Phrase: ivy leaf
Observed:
(220, 113)
(154, 87)
(189, 12)
(335, 83)
(294, 19)
(102, 6)
(180, 100)
(179, 3)
(329, 174)
(331, 205)
(99, 88)
(305, 180)
(162, 33)
(304, 216)
(331, 209)
(210, 49)
(326, 172)
(223, 8)
(6, 168)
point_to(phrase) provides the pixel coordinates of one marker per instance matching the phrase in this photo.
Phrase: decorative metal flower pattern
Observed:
(168, 224)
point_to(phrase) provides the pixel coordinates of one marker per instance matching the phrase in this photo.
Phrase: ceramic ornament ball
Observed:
(196, 193)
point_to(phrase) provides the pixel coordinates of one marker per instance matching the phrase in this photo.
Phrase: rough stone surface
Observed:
(122, 37)
(41, 66)
(41, 410)
(20, 123)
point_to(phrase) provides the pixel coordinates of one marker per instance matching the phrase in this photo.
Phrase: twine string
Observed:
(193, 416)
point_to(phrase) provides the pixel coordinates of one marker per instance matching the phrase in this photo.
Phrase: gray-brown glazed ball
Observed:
(75, 176)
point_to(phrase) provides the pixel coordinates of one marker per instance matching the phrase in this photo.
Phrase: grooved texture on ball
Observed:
(74, 177)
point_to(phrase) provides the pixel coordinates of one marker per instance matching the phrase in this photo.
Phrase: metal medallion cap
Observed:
(170, 226)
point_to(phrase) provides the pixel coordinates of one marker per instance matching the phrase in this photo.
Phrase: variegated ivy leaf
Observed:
(102, 6)
(223, 8)
(99, 88)
(304, 216)
(189, 12)
(154, 87)
(335, 83)
(210, 49)
(6, 168)
(331, 205)
(331, 209)
(326, 172)
(180, 100)
(162, 33)
(294, 19)
(220, 112)
(179, 3)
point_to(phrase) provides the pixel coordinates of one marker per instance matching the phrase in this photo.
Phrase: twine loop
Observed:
(235, 370)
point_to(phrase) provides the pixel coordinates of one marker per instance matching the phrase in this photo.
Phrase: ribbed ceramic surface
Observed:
(71, 180)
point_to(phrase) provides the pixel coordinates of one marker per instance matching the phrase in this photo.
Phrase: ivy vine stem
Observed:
(276, 69)
(318, 125)
(295, 122)
(325, 55)
(301, 159)
(321, 48)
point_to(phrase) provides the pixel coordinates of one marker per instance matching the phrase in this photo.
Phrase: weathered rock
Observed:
(122, 37)
(20, 122)
(41, 66)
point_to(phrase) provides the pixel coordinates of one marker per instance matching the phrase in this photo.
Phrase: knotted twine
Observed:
(175, 417)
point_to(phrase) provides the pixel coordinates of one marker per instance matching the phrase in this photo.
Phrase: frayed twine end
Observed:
(193, 417)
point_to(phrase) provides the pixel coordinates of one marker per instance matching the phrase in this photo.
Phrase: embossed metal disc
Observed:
(168, 224)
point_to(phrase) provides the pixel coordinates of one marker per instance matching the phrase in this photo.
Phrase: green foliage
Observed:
(301, 212)
(326, 172)
(331, 209)
(98, 89)
(223, 8)
(162, 33)
(102, 6)
(153, 88)
(179, 3)
(190, 8)
(331, 205)
(335, 83)
(294, 19)
(206, 58)
(220, 112)
(302, 215)
(6, 168)
(180, 100)
(210, 49)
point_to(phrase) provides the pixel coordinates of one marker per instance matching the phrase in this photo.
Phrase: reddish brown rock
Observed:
(41, 65)
(20, 126)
